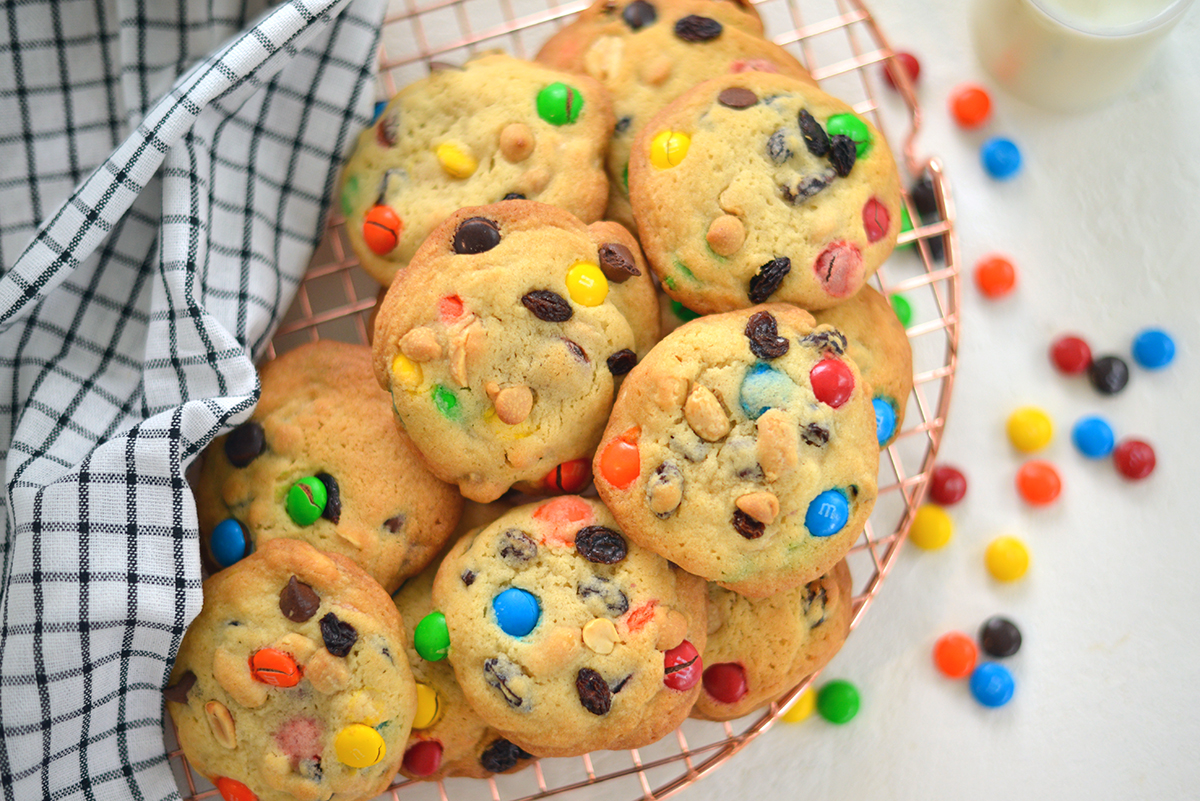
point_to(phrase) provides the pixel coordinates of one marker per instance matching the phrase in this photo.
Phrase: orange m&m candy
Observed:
(1038, 482)
(620, 461)
(233, 790)
(955, 654)
(995, 276)
(381, 229)
(275, 668)
(970, 105)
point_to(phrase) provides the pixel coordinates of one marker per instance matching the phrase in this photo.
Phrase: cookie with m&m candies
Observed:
(743, 448)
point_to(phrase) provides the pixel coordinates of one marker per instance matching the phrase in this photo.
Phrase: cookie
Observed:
(503, 342)
(320, 460)
(878, 344)
(566, 637)
(292, 682)
(495, 128)
(649, 52)
(743, 449)
(759, 648)
(756, 187)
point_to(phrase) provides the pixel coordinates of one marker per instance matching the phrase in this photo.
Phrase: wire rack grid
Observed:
(845, 51)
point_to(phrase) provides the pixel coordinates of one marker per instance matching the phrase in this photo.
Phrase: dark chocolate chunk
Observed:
(777, 147)
(515, 547)
(339, 636)
(807, 186)
(737, 97)
(815, 138)
(747, 526)
(476, 235)
(333, 498)
(593, 691)
(577, 351)
(601, 545)
(549, 306)
(514, 196)
(768, 279)
(501, 755)
(468, 577)
(814, 435)
(622, 125)
(622, 362)
(639, 14)
(763, 333)
(694, 28)
(178, 691)
(394, 524)
(829, 339)
(614, 602)
(245, 443)
(842, 154)
(616, 262)
(298, 601)
(498, 674)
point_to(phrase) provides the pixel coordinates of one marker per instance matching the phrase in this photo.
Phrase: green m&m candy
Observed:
(446, 402)
(838, 701)
(559, 104)
(902, 307)
(306, 501)
(853, 126)
(431, 638)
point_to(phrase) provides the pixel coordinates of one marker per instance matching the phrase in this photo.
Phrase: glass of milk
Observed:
(1069, 55)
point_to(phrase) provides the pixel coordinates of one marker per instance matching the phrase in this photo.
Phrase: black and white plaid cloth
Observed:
(165, 168)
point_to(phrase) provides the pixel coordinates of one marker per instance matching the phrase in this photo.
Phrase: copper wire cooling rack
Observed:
(844, 49)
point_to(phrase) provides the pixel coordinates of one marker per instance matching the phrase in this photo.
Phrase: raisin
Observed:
(622, 362)
(747, 526)
(768, 279)
(815, 138)
(616, 262)
(830, 339)
(623, 125)
(468, 577)
(502, 755)
(339, 637)
(693, 28)
(297, 601)
(394, 524)
(516, 548)
(514, 196)
(763, 333)
(777, 147)
(615, 602)
(600, 545)
(814, 593)
(814, 435)
(842, 154)
(333, 498)
(593, 691)
(639, 14)
(245, 443)
(807, 186)
(178, 691)
(498, 674)
(577, 351)
(549, 306)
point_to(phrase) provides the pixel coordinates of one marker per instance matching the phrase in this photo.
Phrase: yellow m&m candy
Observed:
(1029, 429)
(802, 708)
(455, 161)
(931, 527)
(406, 372)
(429, 707)
(668, 149)
(1006, 558)
(586, 284)
(359, 746)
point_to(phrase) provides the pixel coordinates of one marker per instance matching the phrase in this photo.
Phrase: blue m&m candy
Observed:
(1001, 158)
(1153, 349)
(885, 419)
(379, 107)
(764, 388)
(229, 543)
(992, 684)
(1093, 436)
(827, 514)
(517, 611)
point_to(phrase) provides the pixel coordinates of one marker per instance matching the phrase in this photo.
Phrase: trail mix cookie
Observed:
(649, 52)
(878, 344)
(503, 341)
(759, 648)
(497, 127)
(565, 636)
(320, 460)
(448, 738)
(743, 449)
(757, 187)
(292, 682)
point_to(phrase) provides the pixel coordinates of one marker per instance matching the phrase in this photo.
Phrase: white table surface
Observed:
(1100, 224)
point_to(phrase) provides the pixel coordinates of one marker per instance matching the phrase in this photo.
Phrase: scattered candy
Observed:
(903, 309)
(431, 637)
(832, 382)
(682, 667)
(1029, 429)
(429, 707)
(1071, 355)
(931, 528)
(275, 668)
(992, 684)
(229, 542)
(1134, 459)
(885, 419)
(947, 485)
(1001, 158)
(456, 162)
(559, 104)
(668, 149)
(1093, 436)
(838, 701)
(954, 654)
(1153, 349)
(381, 229)
(970, 105)
(1038, 482)
(586, 284)
(853, 126)
(359, 746)
(620, 462)
(233, 790)
(995, 276)
(423, 758)
(517, 611)
(1108, 374)
(1000, 637)
(1006, 558)
(827, 514)
(908, 62)
(306, 501)
(802, 707)
(725, 682)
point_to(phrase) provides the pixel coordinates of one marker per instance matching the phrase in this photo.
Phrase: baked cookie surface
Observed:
(292, 681)
(496, 127)
(743, 449)
(756, 187)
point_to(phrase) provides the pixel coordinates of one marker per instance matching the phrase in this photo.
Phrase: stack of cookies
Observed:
(618, 428)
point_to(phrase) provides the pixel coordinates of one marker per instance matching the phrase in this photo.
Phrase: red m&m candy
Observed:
(1071, 355)
(908, 62)
(1134, 459)
(423, 758)
(947, 485)
(682, 667)
(832, 382)
(725, 682)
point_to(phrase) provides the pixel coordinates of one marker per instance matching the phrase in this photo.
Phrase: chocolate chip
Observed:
(593, 691)
(763, 333)
(178, 691)
(807, 186)
(468, 577)
(498, 674)
(842, 154)
(622, 125)
(577, 351)
(830, 339)
(515, 547)
(476, 235)
(777, 147)
(815, 138)
(245, 443)
(615, 603)
(814, 435)
(622, 362)
(339, 637)
(501, 755)
(616, 262)
(600, 545)
(747, 526)
(298, 601)
(693, 28)
(737, 97)
(394, 524)
(768, 279)
(639, 14)
(549, 306)
(514, 196)
(333, 498)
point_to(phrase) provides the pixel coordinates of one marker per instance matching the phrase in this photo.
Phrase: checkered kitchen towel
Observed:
(164, 175)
